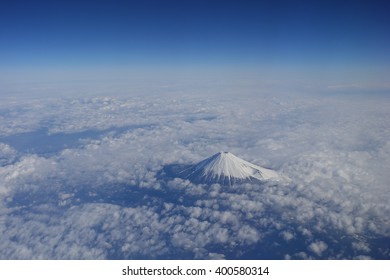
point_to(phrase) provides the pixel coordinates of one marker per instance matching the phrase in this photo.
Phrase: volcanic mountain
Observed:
(226, 169)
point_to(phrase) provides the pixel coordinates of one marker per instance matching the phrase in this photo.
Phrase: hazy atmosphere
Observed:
(99, 99)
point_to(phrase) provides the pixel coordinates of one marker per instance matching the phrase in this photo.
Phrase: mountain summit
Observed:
(226, 169)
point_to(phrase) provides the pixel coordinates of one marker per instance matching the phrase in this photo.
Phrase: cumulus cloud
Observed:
(318, 247)
(96, 189)
(7, 154)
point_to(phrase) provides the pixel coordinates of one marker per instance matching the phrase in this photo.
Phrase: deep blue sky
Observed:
(45, 35)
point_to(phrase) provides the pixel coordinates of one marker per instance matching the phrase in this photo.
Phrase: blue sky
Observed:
(296, 35)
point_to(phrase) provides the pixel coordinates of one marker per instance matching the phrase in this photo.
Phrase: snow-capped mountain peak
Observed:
(226, 168)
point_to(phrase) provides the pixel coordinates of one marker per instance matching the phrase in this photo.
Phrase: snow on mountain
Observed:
(227, 169)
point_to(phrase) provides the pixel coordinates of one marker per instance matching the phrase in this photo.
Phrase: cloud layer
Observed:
(90, 185)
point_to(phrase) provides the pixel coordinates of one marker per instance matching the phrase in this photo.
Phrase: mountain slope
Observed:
(227, 169)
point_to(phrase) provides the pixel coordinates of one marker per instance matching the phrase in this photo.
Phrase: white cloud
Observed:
(318, 247)
(287, 235)
(7, 154)
(248, 235)
(101, 196)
